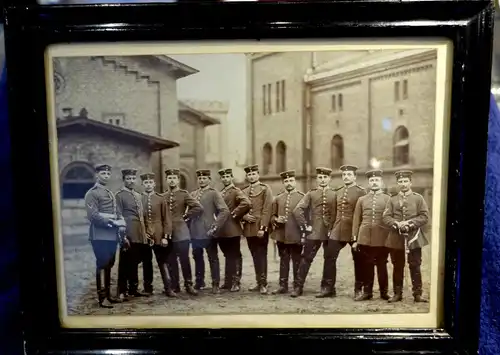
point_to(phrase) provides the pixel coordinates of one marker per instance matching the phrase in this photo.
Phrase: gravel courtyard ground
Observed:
(81, 295)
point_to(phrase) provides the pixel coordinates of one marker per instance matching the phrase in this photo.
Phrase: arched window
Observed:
(183, 182)
(401, 150)
(267, 158)
(337, 152)
(280, 157)
(77, 179)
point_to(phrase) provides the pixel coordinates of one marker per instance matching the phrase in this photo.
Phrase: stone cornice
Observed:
(370, 67)
(255, 56)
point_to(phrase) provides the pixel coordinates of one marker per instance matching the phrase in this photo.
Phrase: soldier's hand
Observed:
(309, 229)
(354, 246)
(164, 241)
(126, 244)
(281, 219)
(249, 218)
(260, 233)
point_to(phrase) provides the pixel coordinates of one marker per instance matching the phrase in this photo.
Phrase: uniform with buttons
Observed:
(411, 207)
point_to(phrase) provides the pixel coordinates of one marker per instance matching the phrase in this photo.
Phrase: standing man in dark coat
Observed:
(182, 208)
(129, 206)
(158, 227)
(341, 233)
(106, 230)
(286, 231)
(317, 206)
(406, 214)
(256, 225)
(229, 236)
(204, 228)
(370, 235)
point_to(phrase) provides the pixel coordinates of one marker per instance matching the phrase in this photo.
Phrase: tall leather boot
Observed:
(236, 276)
(283, 287)
(398, 295)
(107, 287)
(101, 290)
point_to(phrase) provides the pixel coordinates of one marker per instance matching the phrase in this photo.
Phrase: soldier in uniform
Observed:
(129, 206)
(105, 231)
(229, 236)
(182, 208)
(406, 214)
(370, 235)
(341, 233)
(318, 204)
(203, 229)
(158, 225)
(286, 231)
(256, 225)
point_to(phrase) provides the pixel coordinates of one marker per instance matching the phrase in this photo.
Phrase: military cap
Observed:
(203, 172)
(403, 173)
(347, 167)
(225, 171)
(102, 167)
(172, 172)
(323, 171)
(127, 172)
(373, 173)
(147, 176)
(251, 168)
(287, 174)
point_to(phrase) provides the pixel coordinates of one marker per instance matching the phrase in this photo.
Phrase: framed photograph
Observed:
(255, 170)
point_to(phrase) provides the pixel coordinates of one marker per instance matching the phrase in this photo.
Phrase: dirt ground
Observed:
(81, 290)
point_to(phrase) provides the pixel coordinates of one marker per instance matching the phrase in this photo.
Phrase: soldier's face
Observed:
(404, 184)
(172, 180)
(375, 182)
(149, 185)
(322, 180)
(103, 176)
(226, 179)
(289, 183)
(348, 177)
(129, 181)
(252, 176)
(203, 181)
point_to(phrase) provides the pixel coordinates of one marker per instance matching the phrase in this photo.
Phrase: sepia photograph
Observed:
(259, 184)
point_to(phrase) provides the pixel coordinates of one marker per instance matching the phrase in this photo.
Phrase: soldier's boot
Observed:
(419, 299)
(215, 288)
(384, 295)
(326, 292)
(397, 297)
(239, 271)
(358, 289)
(107, 287)
(297, 292)
(283, 287)
(170, 293)
(190, 290)
(365, 296)
(101, 291)
(228, 282)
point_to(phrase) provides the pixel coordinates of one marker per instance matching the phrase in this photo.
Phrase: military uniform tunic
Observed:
(214, 215)
(156, 217)
(347, 196)
(181, 206)
(100, 202)
(367, 223)
(238, 204)
(129, 203)
(318, 205)
(283, 205)
(261, 199)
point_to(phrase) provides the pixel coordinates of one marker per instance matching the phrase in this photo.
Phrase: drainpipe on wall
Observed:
(370, 122)
(160, 133)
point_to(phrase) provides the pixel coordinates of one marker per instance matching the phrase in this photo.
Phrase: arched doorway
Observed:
(76, 180)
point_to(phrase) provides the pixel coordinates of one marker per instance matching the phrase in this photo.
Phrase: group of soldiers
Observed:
(374, 224)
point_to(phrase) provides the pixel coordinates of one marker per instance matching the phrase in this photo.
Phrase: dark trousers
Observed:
(414, 262)
(332, 251)
(371, 258)
(311, 248)
(161, 256)
(178, 252)
(130, 259)
(105, 253)
(231, 248)
(287, 253)
(258, 248)
(210, 246)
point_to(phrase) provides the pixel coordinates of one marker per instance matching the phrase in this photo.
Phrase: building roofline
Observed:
(152, 142)
(181, 70)
(204, 118)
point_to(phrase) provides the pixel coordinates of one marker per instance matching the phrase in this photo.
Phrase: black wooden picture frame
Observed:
(30, 28)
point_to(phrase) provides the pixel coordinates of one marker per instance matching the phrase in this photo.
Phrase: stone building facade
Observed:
(123, 111)
(368, 108)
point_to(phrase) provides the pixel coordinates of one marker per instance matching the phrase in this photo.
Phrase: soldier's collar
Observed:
(254, 183)
(149, 193)
(350, 185)
(376, 192)
(204, 188)
(174, 189)
(227, 187)
(98, 184)
(289, 192)
(407, 193)
(127, 189)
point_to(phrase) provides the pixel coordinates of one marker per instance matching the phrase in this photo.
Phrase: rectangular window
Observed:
(116, 119)
(283, 107)
(341, 102)
(396, 91)
(334, 103)
(264, 102)
(269, 102)
(278, 96)
(405, 89)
